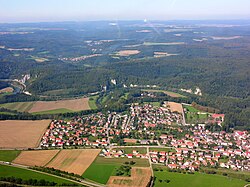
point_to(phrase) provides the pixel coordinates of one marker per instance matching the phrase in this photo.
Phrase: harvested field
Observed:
(35, 158)
(22, 133)
(140, 177)
(127, 140)
(175, 107)
(73, 104)
(127, 52)
(74, 161)
(7, 90)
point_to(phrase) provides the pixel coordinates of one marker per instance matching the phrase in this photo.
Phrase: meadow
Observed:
(194, 180)
(8, 155)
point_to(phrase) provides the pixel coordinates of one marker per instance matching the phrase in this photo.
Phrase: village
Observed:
(162, 131)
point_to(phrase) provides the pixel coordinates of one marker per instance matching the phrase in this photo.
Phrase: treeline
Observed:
(33, 182)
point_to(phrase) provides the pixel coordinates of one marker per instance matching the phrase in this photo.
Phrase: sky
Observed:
(87, 10)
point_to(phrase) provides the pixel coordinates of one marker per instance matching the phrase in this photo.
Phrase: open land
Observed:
(175, 107)
(18, 106)
(21, 134)
(195, 180)
(35, 158)
(8, 155)
(140, 177)
(128, 52)
(73, 104)
(7, 90)
(74, 161)
(171, 94)
(9, 171)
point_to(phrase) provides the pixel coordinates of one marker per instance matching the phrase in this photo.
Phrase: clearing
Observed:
(74, 161)
(22, 133)
(73, 105)
(169, 93)
(35, 158)
(127, 52)
(140, 177)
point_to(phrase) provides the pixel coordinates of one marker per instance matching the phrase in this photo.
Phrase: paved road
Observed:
(81, 182)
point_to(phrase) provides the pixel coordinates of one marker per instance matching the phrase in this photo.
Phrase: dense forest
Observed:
(213, 58)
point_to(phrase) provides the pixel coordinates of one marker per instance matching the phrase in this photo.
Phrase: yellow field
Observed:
(35, 158)
(22, 133)
(175, 107)
(74, 161)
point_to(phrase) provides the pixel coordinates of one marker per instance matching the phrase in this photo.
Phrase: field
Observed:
(39, 59)
(92, 102)
(127, 52)
(175, 107)
(170, 43)
(7, 90)
(19, 106)
(21, 133)
(140, 177)
(74, 161)
(171, 94)
(129, 150)
(8, 155)
(195, 180)
(35, 158)
(102, 168)
(193, 115)
(8, 171)
(73, 104)
(128, 140)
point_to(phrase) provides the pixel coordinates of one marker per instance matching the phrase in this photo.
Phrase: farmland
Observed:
(102, 168)
(9, 171)
(127, 52)
(193, 115)
(73, 104)
(171, 94)
(74, 161)
(92, 102)
(175, 107)
(21, 134)
(18, 106)
(35, 158)
(8, 155)
(140, 177)
(194, 180)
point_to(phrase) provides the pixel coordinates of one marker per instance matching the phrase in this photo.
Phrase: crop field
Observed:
(7, 90)
(92, 102)
(73, 104)
(175, 107)
(8, 155)
(19, 106)
(39, 59)
(169, 43)
(127, 52)
(22, 133)
(171, 94)
(140, 177)
(74, 161)
(194, 180)
(56, 111)
(9, 171)
(102, 168)
(35, 158)
(129, 150)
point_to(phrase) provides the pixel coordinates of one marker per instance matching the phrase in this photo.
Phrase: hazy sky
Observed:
(81, 10)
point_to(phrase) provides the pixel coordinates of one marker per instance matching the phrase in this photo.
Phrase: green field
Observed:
(56, 111)
(92, 102)
(19, 106)
(8, 171)
(192, 115)
(162, 149)
(129, 150)
(195, 180)
(169, 93)
(8, 156)
(158, 43)
(156, 104)
(102, 168)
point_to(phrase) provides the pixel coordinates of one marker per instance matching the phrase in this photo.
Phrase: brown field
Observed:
(128, 52)
(22, 133)
(74, 161)
(140, 177)
(7, 90)
(35, 158)
(128, 140)
(73, 104)
(175, 107)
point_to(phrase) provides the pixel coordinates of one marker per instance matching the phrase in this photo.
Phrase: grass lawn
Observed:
(8, 171)
(193, 116)
(92, 102)
(129, 150)
(162, 149)
(8, 156)
(169, 93)
(19, 106)
(102, 168)
(195, 180)
(157, 104)
(190, 108)
(56, 111)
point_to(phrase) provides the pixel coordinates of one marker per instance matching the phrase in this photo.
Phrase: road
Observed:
(81, 182)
